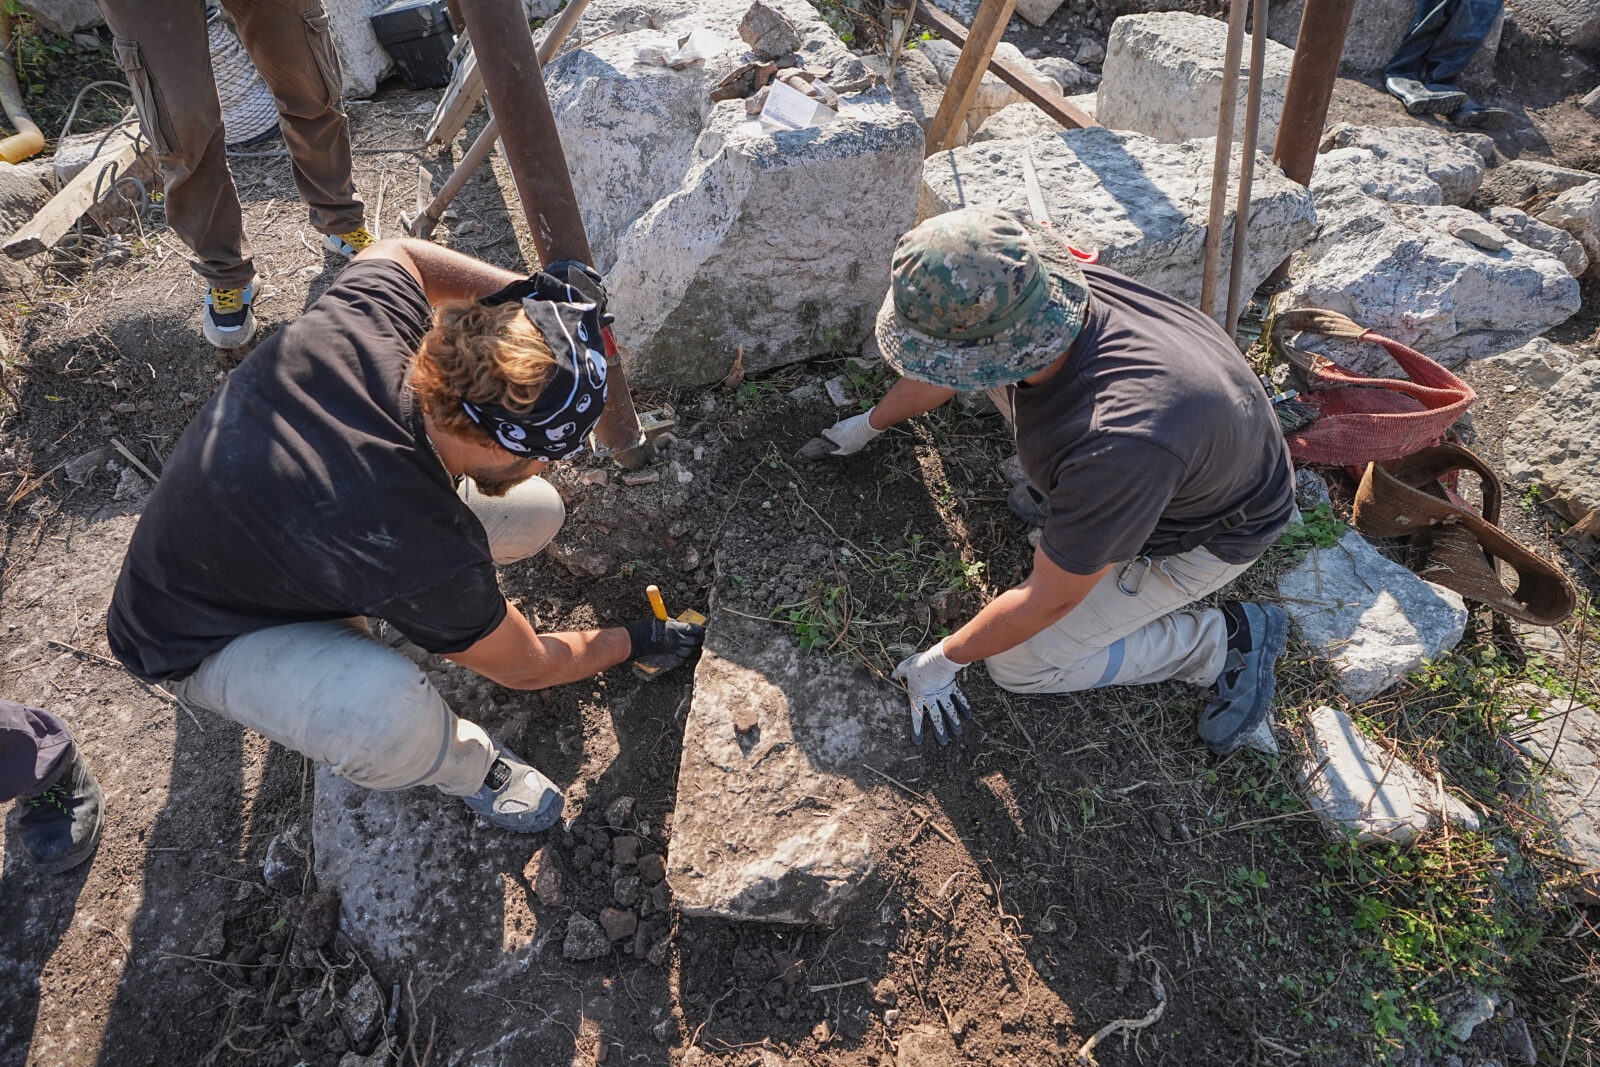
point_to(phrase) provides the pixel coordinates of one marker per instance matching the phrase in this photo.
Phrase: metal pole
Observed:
(1317, 52)
(479, 151)
(511, 74)
(1247, 165)
(1219, 164)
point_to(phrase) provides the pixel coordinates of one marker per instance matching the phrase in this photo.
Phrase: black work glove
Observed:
(663, 645)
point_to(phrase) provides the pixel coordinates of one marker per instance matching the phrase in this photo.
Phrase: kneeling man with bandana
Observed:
(379, 456)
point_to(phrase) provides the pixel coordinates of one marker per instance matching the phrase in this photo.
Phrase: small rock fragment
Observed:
(1090, 51)
(836, 391)
(768, 32)
(658, 952)
(1519, 1042)
(319, 919)
(585, 940)
(617, 923)
(599, 476)
(542, 873)
(362, 1011)
(653, 867)
(665, 1030)
(1484, 235)
(284, 868)
(619, 812)
(1473, 1007)
(130, 486)
(886, 992)
(628, 890)
(212, 942)
(80, 470)
(625, 850)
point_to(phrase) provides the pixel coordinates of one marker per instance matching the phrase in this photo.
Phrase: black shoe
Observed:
(1029, 505)
(1476, 116)
(1422, 99)
(1242, 693)
(61, 825)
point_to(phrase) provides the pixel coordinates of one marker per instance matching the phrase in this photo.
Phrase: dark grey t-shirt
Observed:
(1155, 425)
(306, 490)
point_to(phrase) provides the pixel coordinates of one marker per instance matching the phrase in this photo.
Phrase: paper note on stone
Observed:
(788, 108)
(778, 822)
(1359, 787)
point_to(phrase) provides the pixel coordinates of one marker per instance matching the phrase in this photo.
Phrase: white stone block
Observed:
(1163, 77)
(1555, 444)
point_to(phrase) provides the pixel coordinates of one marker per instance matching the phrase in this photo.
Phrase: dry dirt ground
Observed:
(1074, 861)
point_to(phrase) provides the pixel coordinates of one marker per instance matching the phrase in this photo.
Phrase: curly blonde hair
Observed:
(484, 355)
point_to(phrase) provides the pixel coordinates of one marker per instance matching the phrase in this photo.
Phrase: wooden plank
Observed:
(40, 233)
(1052, 103)
(460, 97)
(987, 29)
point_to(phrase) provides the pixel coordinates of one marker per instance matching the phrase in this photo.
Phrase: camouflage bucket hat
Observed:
(980, 299)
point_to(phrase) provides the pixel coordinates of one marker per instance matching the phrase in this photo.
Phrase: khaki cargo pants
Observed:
(333, 693)
(161, 44)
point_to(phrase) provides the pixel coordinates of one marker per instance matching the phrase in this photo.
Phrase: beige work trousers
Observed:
(332, 692)
(1129, 631)
(162, 47)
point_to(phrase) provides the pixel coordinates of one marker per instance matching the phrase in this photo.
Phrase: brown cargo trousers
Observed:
(161, 44)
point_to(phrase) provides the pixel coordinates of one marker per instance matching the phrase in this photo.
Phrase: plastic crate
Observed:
(418, 37)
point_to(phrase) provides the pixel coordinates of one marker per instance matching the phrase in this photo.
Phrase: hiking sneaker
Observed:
(517, 797)
(60, 825)
(1422, 99)
(228, 321)
(1476, 116)
(1242, 693)
(347, 244)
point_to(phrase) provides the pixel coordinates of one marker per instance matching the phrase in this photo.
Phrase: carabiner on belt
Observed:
(1122, 575)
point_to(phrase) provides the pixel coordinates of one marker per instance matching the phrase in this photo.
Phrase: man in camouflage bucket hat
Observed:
(1152, 460)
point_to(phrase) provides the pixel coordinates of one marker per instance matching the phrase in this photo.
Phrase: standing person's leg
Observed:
(1459, 39)
(1408, 69)
(63, 807)
(163, 49)
(290, 44)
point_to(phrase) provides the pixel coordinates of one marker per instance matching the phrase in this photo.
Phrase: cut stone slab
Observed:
(1360, 788)
(1528, 230)
(1142, 203)
(1396, 269)
(781, 821)
(1555, 444)
(1562, 737)
(1341, 172)
(1447, 158)
(1163, 77)
(1577, 211)
(1370, 618)
(1019, 122)
(713, 231)
(1376, 29)
(1537, 365)
(1574, 23)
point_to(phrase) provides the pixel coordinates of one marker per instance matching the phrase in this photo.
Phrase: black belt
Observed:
(1175, 544)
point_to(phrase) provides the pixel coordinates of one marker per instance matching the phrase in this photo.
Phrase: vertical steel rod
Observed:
(988, 26)
(504, 47)
(1317, 51)
(1219, 166)
(1247, 165)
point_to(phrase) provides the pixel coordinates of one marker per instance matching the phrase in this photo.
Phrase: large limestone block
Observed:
(1562, 739)
(1577, 211)
(1342, 171)
(361, 58)
(1019, 122)
(1400, 270)
(1163, 77)
(778, 818)
(1360, 788)
(1537, 365)
(1575, 23)
(1142, 203)
(1555, 444)
(1526, 229)
(1376, 29)
(1370, 618)
(713, 231)
(777, 243)
(1444, 157)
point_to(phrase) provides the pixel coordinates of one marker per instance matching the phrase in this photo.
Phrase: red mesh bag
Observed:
(1361, 419)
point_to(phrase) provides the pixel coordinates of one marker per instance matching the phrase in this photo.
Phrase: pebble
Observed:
(653, 867)
(585, 940)
(628, 890)
(617, 923)
(619, 811)
(625, 850)
(363, 1010)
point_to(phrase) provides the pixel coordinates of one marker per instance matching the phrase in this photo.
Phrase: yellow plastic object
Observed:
(657, 605)
(27, 141)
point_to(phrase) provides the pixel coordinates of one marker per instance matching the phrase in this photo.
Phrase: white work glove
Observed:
(851, 435)
(930, 679)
